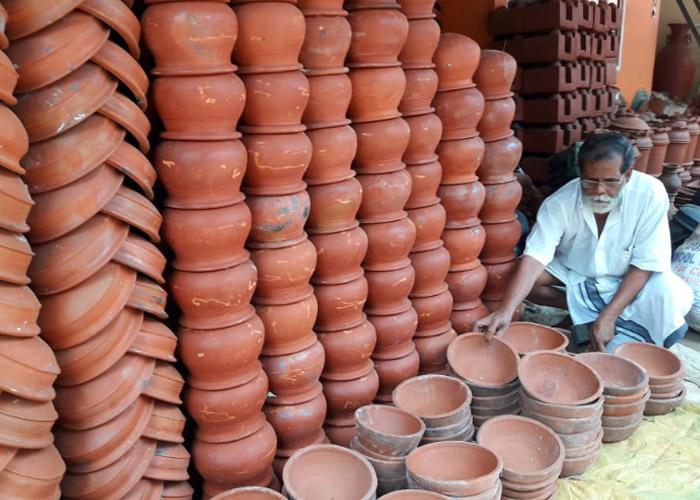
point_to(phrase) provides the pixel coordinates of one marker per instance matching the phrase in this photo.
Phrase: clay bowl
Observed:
(35, 473)
(482, 363)
(381, 145)
(26, 18)
(333, 152)
(275, 102)
(620, 376)
(526, 337)
(664, 406)
(29, 366)
(276, 163)
(8, 79)
(449, 432)
(180, 490)
(249, 493)
(326, 44)
(126, 69)
(562, 411)
(143, 256)
(155, 340)
(340, 306)
(454, 468)
(288, 327)
(384, 196)
(423, 38)
(627, 408)
(378, 36)
(496, 400)
(317, 471)
(662, 366)
(284, 273)
(132, 163)
(617, 434)
(149, 297)
(120, 18)
(15, 258)
(25, 424)
(460, 112)
(14, 140)
(620, 420)
(531, 452)
(165, 384)
(666, 391)
(421, 85)
(278, 220)
(339, 256)
(557, 378)
(579, 465)
(334, 206)
(389, 244)
(394, 371)
(388, 431)
(388, 469)
(565, 425)
(123, 111)
(438, 400)
(16, 203)
(413, 495)
(495, 74)
(329, 101)
(456, 59)
(169, 463)
(376, 93)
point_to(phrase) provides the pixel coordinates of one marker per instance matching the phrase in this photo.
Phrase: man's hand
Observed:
(495, 323)
(603, 331)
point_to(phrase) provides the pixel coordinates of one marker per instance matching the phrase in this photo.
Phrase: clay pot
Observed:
(322, 7)
(334, 206)
(384, 196)
(14, 139)
(464, 245)
(142, 256)
(421, 85)
(499, 160)
(433, 351)
(657, 156)
(25, 424)
(126, 69)
(214, 299)
(481, 362)
(329, 101)
(15, 257)
(275, 102)
(438, 400)
(495, 74)
(346, 396)
(670, 178)
(433, 314)
(431, 269)
(199, 107)
(333, 152)
(340, 306)
(620, 376)
(413, 495)
(460, 159)
(460, 112)
(499, 277)
(377, 37)
(8, 79)
(662, 365)
(500, 242)
(465, 315)
(394, 334)
(326, 44)
(31, 17)
(529, 337)
(380, 146)
(394, 371)
(30, 368)
(426, 131)
(376, 93)
(271, 37)
(456, 59)
(429, 222)
(495, 122)
(132, 163)
(388, 290)
(201, 174)
(679, 141)
(154, 340)
(467, 286)
(208, 239)
(129, 206)
(128, 115)
(422, 41)
(416, 9)
(288, 327)
(284, 273)
(389, 244)
(501, 202)
(388, 431)
(463, 202)
(204, 352)
(297, 426)
(165, 384)
(425, 180)
(292, 375)
(348, 352)
(339, 256)
(278, 220)
(35, 473)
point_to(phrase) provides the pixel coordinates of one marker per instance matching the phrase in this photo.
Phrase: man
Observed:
(601, 248)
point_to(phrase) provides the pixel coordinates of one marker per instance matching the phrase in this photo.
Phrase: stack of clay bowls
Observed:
(348, 377)
(249, 493)
(442, 402)
(527, 337)
(385, 435)
(625, 393)
(665, 371)
(565, 395)
(93, 229)
(379, 33)
(456, 469)
(30, 465)
(494, 78)
(460, 105)
(490, 368)
(532, 454)
(413, 495)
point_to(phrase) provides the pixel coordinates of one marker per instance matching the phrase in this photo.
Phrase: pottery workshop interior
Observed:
(349, 250)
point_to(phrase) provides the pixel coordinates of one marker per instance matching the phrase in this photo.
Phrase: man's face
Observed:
(602, 184)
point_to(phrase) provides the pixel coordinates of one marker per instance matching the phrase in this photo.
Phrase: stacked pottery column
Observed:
(97, 274)
(379, 32)
(460, 105)
(430, 264)
(201, 164)
(267, 51)
(349, 379)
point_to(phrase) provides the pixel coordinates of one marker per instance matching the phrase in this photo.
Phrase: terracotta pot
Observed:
(657, 155)
(422, 41)
(388, 432)
(501, 202)
(483, 363)
(620, 376)
(429, 222)
(389, 245)
(394, 371)
(346, 396)
(333, 152)
(340, 306)
(421, 85)
(271, 37)
(433, 351)
(464, 246)
(129, 206)
(142, 256)
(499, 277)
(467, 286)
(431, 269)
(132, 163)
(456, 60)
(384, 196)
(377, 37)
(460, 112)
(500, 159)
(465, 315)
(371, 4)
(278, 220)
(500, 242)
(119, 18)
(322, 7)
(662, 365)
(679, 141)
(380, 146)
(496, 120)
(36, 473)
(26, 424)
(276, 163)
(154, 340)
(125, 68)
(676, 79)
(15, 257)
(30, 368)
(460, 159)
(433, 313)
(417, 9)
(248, 492)
(388, 290)
(348, 351)
(297, 426)
(425, 180)
(275, 102)
(329, 101)
(294, 374)
(670, 178)
(8, 80)
(284, 273)
(165, 384)
(339, 256)
(201, 174)
(426, 131)
(495, 74)
(334, 206)
(462, 203)
(326, 43)
(15, 141)
(376, 93)
(394, 334)
(214, 299)
(288, 327)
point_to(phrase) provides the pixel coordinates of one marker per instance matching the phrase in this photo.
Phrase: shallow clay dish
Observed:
(165, 384)
(125, 68)
(579, 465)
(627, 408)
(118, 16)
(15, 258)
(616, 434)
(663, 406)
(558, 378)
(662, 365)
(249, 493)
(15, 201)
(123, 111)
(388, 431)
(169, 463)
(19, 310)
(562, 425)
(136, 210)
(527, 337)
(483, 363)
(14, 140)
(8, 79)
(132, 163)
(438, 400)
(34, 473)
(143, 256)
(29, 368)
(29, 16)
(25, 424)
(166, 423)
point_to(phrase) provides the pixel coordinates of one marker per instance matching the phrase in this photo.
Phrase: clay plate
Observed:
(483, 363)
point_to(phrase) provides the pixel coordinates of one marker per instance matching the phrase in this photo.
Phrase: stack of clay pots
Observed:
(30, 465)
(665, 371)
(201, 163)
(660, 141)
(625, 393)
(379, 32)
(490, 368)
(565, 395)
(385, 436)
(93, 229)
(348, 377)
(460, 105)
(442, 402)
(494, 78)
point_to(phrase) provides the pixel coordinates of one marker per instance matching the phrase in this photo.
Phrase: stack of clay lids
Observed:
(665, 372)
(565, 395)
(527, 337)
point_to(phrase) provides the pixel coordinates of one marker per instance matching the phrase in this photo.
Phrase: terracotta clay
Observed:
(142, 256)
(500, 242)
(527, 337)
(662, 365)
(132, 163)
(36, 473)
(297, 426)
(423, 38)
(433, 351)
(292, 375)
(438, 400)
(288, 327)
(30, 367)
(425, 179)
(380, 146)
(426, 131)
(15, 141)
(495, 74)
(249, 493)
(460, 159)
(388, 431)
(499, 276)
(495, 122)
(378, 36)
(465, 315)
(456, 59)
(334, 206)
(620, 376)
(126, 69)
(433, 313)
(129, 206)
(460, 112)
(339, 256)
(29, 17)
(389, 244)
(284, 273)
(463, 203)
(467, 286)
(348, 351)
(333, 151)
(431, 269)
(501, 202)
(376, 93)
(394, 334)
(326, 43)
(8, 80)
(340, 306)
(322, 7)
(127, 114)
(346, 396)
(429, 222)
(329, 101)
(278, 220)
(384, 196)
(388, 290)
(465, 246)
(421, 85)
(120, 18)
(275, 102)
(15, 257)
(483, 363)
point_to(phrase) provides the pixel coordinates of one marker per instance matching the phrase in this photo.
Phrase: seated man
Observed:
(601, 248)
